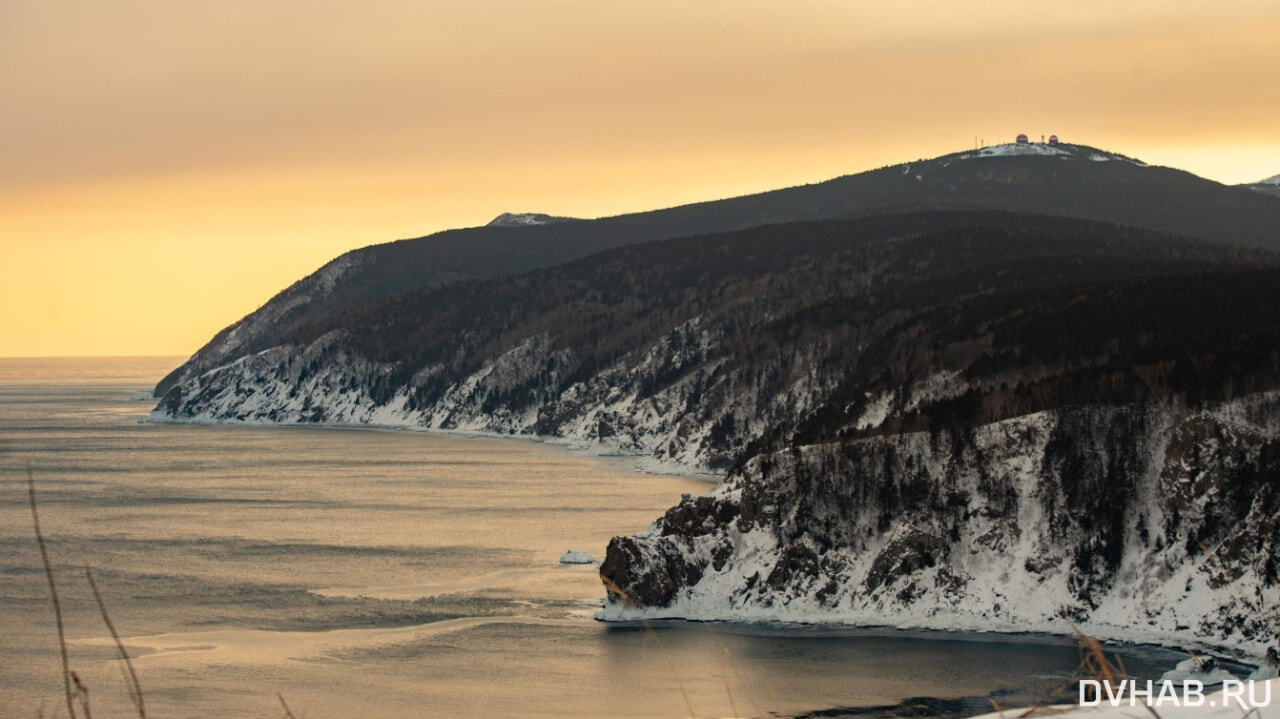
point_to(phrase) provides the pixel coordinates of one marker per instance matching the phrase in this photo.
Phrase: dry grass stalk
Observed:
(83, 692)
(287, 711)
(70, 678)
(1094, 664)
(53, 596)
(135, 688)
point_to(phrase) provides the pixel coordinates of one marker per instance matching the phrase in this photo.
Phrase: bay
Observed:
(376, 573)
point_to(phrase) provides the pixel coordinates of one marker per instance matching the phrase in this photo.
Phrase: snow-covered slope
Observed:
(324, 383)
(1021, 148)
(1041, 149)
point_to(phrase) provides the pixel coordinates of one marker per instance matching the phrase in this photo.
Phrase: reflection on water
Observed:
(395, 574)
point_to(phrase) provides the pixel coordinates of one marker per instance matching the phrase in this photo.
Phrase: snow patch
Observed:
(877, 410)
(1015, 149)
(1040, 149)
(524, 219)
(1199, 669)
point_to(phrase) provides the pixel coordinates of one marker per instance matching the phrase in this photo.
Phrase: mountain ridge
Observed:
(1066, 185)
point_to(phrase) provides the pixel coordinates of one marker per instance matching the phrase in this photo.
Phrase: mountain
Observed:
(1065, 180)
(942, 417)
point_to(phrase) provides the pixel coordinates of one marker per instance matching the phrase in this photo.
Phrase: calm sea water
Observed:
(363, 573)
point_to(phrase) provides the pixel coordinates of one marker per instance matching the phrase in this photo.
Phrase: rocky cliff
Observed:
(1151, 521)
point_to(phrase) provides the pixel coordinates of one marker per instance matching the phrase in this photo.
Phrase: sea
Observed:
(365, 573)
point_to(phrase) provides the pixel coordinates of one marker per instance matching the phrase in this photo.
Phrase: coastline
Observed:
(685, 611)
(642, 463)
(1237, 663)
(621, 616)
(958, 625)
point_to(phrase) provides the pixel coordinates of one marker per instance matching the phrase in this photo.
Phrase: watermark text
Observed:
(1245, 694)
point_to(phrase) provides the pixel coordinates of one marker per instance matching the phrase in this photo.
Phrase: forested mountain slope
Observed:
(1067, 180)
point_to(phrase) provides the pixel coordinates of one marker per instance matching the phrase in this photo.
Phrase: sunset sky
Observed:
(166, 166)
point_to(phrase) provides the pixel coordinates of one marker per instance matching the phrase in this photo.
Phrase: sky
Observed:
(166, 166)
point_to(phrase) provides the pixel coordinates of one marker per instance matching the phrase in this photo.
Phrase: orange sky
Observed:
(167, 166)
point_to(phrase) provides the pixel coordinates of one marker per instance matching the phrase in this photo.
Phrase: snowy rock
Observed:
(1268, 667)
(1265, 671)
(1202, 669)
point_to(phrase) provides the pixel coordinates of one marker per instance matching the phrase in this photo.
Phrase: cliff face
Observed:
(617, 407)
(949, 419)
(1147, 521)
